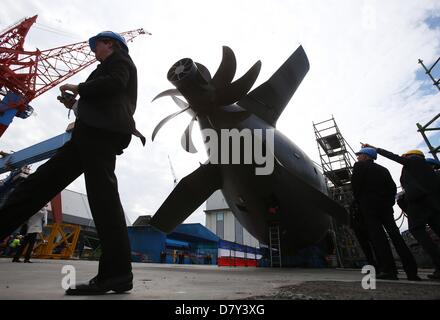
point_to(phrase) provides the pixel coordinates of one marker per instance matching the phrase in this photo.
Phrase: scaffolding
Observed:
(423, 129)
(336, 161)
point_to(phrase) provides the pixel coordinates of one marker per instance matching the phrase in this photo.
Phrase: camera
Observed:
(66, 97)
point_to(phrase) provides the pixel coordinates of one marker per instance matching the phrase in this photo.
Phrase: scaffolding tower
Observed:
(424, 128)
(336, 161)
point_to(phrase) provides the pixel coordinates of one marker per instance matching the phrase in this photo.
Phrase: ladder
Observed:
(274, 246)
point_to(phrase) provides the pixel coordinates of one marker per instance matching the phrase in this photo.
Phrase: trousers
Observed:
(91, 152)
(29, 241)
(420, 213)
(377, 222)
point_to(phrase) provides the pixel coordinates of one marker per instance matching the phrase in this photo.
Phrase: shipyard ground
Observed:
(43, 280)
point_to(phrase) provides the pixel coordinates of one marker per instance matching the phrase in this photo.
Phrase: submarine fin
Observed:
(316, 198)
(187, 196)
(269, 99)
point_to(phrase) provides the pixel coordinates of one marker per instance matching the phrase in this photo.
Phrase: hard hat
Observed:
(433, 162)
(371, 152)
(108, 35)
(414, 153)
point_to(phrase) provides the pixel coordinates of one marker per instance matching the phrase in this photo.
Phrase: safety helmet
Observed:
(371, 152)
(108, 35)
(433, 162)
(413, 153)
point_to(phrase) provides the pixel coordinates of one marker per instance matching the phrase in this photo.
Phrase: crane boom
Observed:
(175, 180)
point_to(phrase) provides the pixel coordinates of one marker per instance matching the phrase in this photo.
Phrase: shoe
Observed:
(16, 260)
(435, 275)
(387, 276)
(27, 261)
(414, 278)
(99, 287)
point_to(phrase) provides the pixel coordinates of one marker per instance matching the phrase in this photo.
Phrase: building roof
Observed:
(216, 202)
(76, 209)
(142, 221)
(193, 232)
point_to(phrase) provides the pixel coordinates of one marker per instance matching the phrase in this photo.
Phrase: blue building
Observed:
(188, 244)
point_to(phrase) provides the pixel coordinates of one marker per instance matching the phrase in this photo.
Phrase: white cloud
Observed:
(363, 57)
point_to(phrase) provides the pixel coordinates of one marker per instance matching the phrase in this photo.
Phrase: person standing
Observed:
(35, 226)
(12, 245)
(163, 257)
(103, 129)
(181, 257)
(374, 191)
(357, 224)
(422, 189)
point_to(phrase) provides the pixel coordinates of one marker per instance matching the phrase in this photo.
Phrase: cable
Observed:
(42, 27)
(52, 28)
(403, 220)
(400, 217)
(12, 26)
(66, 35)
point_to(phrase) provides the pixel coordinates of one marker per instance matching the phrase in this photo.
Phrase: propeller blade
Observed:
(226, 71)
(186, 140)
(187, 196)
(180, 103)
(162, 123)
(183, 105)
(238, 89)
(204, 71)
(167, 93)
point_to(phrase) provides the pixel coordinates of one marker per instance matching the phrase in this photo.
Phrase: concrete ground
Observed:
(43, 280)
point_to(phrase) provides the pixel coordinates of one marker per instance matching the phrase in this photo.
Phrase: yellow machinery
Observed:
(62, 238)
(59, 244)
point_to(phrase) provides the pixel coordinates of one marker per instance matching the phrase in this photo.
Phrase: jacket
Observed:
(418, 179)
(108, 97)
(373, 186)
(37, 221)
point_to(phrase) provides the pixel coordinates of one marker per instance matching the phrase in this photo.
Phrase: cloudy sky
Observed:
(364, 72)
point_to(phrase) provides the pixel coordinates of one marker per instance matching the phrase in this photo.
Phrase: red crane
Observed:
(25, 75)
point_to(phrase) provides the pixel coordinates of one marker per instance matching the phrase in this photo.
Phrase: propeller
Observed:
(186, 139)
(170, 92)
(204, 71)
(206, 95)
(165, 120)
(226, 70)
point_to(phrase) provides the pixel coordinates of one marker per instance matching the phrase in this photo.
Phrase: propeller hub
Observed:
(179, 70)
(186, 77)
(182, 71)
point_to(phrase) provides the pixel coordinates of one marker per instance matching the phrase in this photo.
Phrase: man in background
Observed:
(35, 226)
(374, 191)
